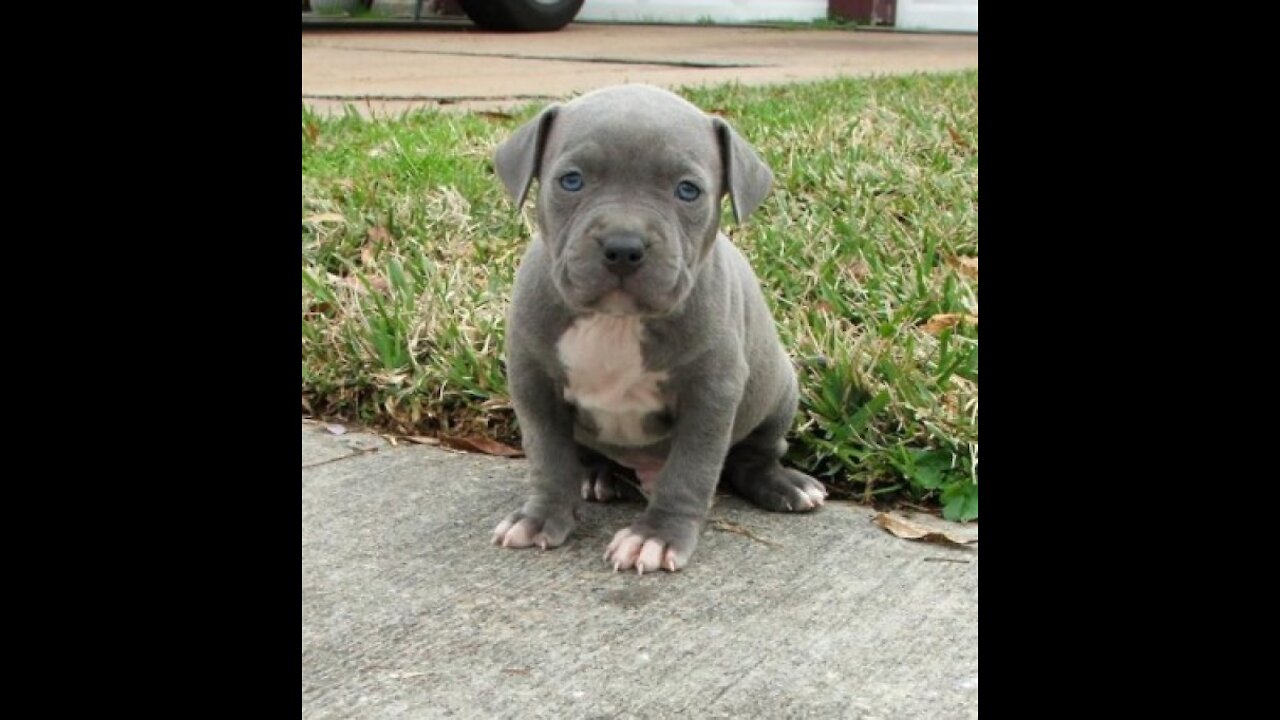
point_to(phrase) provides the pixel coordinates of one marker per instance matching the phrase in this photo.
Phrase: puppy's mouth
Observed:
(616, 300)
(589, 284)
(619, 302)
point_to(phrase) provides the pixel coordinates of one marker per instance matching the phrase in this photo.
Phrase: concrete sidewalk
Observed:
(409, 612)
(455, 65)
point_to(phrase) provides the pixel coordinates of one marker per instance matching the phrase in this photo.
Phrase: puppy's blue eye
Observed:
(687, 191)
(571, 181)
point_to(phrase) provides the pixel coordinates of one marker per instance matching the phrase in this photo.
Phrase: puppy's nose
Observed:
(623, 253)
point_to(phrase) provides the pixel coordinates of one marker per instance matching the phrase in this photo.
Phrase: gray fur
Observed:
(730, 392)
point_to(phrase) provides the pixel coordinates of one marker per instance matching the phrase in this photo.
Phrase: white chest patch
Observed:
(605, 367)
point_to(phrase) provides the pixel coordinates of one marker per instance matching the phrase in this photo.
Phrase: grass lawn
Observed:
(867, 248)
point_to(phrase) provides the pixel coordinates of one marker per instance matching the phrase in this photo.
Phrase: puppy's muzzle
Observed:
(622, 253)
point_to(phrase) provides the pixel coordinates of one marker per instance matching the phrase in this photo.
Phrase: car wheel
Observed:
(521, 15)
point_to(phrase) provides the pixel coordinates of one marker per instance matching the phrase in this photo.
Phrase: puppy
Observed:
(638, 335)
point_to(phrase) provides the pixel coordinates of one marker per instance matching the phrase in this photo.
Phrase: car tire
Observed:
(521, 15)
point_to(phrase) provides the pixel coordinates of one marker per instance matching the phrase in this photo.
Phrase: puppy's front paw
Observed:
(646, 549)
(519, 530)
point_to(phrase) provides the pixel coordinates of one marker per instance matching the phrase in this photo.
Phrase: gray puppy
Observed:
(638, 335)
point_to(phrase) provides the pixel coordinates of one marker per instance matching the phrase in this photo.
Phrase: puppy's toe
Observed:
(518, 530)
(645, 551)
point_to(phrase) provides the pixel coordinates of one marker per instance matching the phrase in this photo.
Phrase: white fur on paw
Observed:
(598, 489)
(520, 534)
(816, 495)
(630, 549)
(806, 499)
(523, 533)
(501, 531)
(604, 490)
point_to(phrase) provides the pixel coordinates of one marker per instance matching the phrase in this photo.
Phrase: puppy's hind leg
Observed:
(606, 480)
(754, 470)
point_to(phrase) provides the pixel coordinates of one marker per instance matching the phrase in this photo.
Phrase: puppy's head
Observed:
(630, 181)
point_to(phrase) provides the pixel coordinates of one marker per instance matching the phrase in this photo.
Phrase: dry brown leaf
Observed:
(859, 270)
(366, 256)
(324, 217)
(377, 282)
(394, 379)
(967, 266)
(379, 235)
(938, 323)
(422, 440)
(955, 138)
(336, 429)
(480, 445)
(908, 530)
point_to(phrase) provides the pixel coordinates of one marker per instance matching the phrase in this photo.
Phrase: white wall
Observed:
(936, 15)
(721, 11)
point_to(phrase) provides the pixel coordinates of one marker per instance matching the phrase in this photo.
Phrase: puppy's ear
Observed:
(519, 158)
(746, 178)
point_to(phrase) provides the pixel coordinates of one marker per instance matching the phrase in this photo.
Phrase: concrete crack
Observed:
(556, 58)
(340, 458)
(729, 686)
